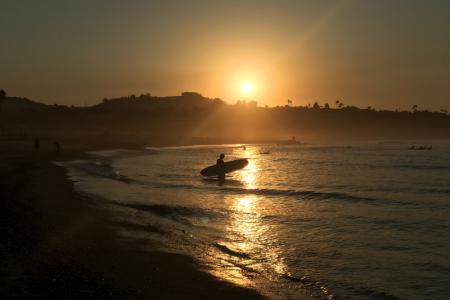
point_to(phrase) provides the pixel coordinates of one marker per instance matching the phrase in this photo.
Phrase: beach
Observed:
(56, 243)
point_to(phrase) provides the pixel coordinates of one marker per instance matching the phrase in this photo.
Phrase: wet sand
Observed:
(55, 243)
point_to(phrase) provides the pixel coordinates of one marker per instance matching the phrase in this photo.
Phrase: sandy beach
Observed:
(56, 243)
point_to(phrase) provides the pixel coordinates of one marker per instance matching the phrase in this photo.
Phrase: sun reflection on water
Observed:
(249, 247)
(248, 174)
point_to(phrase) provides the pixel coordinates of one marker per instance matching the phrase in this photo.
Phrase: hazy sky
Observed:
(387, 54)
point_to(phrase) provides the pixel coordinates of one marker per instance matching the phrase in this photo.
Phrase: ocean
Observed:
(358, 221)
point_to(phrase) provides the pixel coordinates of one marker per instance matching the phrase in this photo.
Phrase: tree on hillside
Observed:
(192, 94)
(414, 108)
(252, 104)
(327, 106)
(339, 104)
(316, 105)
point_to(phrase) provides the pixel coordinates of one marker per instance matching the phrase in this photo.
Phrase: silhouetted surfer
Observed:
(220, 165)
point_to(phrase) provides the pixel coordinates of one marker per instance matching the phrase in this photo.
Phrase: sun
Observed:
(247, 87)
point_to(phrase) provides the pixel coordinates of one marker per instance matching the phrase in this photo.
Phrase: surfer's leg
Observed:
(222, 177)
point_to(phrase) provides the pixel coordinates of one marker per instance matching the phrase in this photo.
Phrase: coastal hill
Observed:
(15, 104)
(193, 118)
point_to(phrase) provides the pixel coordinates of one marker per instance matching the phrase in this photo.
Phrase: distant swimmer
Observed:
(220, 165)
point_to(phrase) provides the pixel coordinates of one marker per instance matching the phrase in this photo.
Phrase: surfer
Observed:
(220, 165)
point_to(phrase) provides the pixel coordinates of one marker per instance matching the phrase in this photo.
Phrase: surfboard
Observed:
(229, 166)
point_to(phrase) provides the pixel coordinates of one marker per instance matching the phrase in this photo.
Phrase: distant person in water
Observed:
(220, 165)
(58, 147)
(36, 145)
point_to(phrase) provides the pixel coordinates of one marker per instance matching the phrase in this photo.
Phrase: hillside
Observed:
(15, 104)
(192, 118)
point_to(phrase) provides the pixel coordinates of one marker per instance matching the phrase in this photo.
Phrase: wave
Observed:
(375, 294)
(381, 165)
(213, 146)
(431, 191)
(235, 189)
(100, 168)
(304, 194)
(398, 189)
(434, 267)
(121, 153)
(245, 263)
(231, 252)
(419, 167)
(176, 213)
(141, 227)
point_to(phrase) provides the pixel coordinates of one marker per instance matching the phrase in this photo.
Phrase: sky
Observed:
(388, 54)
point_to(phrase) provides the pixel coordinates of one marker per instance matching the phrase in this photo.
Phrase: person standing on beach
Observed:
(221, 167)
(58, 147)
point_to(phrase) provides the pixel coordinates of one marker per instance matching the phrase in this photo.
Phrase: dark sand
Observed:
(55, 244)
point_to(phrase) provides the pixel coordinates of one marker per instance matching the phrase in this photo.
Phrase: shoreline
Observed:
(57, 244)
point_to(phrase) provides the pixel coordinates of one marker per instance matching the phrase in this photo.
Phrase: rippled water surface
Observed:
(365, 221)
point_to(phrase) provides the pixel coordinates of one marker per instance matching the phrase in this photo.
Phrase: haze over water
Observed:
(369, 221)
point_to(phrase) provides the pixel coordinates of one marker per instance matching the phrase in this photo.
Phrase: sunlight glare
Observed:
(247, 87)
(248, 174)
